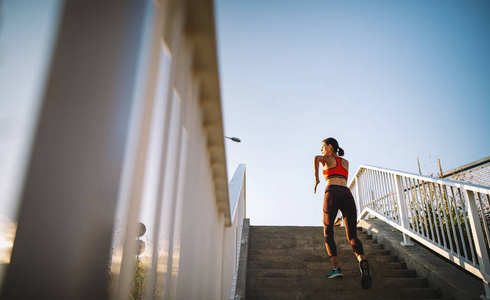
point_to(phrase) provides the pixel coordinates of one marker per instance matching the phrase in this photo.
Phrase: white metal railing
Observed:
(237, 197)
(449, 217)
(236, 189)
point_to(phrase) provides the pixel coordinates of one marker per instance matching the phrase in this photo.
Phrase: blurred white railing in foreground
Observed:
(449, 217)
(121, 189)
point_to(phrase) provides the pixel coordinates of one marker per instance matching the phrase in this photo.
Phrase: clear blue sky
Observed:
(392, 81)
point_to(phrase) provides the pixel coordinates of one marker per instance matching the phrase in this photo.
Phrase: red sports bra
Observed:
(336, 172)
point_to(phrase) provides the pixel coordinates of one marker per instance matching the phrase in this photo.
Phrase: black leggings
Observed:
(339, 197)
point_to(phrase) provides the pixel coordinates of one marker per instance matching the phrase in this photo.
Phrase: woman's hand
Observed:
(316, 184)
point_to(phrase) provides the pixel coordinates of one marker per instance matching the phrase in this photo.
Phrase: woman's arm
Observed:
(317, 160)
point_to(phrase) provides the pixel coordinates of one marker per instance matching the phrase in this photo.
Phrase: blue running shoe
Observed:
(335, 273)
(366, 280)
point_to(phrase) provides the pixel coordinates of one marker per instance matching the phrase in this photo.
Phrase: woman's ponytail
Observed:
(335, 145)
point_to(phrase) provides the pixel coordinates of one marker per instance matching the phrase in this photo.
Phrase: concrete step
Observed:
(282, 229)
(316, 252)
(345, 265)
(303, 234)
(287, 262)
(320, 273)
(373, 257)
(301, 245)
(336, 284)
(294, 229)
(355, 293)
(299, 231)
(264, 242)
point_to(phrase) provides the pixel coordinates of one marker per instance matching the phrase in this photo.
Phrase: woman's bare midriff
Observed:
(337, 181)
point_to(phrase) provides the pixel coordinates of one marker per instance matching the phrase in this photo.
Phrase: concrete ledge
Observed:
(451, 281)
(241, 282)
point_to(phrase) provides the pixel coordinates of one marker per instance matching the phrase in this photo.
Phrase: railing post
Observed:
(402, 209)
(358, 195)
(479, 240)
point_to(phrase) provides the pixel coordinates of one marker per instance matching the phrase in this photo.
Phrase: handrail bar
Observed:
(235, 187)
(458, 184)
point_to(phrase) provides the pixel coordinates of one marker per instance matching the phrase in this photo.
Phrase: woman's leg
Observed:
(350, 220)
(351, 232)
(349, 213)
(329, 214)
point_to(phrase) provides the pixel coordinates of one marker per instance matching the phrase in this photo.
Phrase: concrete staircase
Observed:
(291, 263)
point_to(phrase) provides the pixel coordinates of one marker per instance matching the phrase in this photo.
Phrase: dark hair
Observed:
(335, 145)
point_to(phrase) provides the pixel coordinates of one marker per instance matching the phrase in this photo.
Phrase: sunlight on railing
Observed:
(7, 236)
